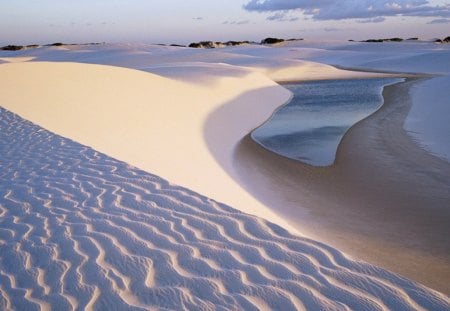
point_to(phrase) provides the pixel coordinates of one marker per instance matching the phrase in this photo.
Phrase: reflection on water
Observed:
(310, 127)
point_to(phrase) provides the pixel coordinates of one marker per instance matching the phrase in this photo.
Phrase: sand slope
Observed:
(154, 123)
(157, 124)
(80, 230)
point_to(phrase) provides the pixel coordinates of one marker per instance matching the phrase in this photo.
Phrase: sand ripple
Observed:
(79, 230)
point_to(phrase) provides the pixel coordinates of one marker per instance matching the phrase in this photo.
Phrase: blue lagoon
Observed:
(310, 127)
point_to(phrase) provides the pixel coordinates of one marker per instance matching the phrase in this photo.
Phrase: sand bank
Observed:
(385, 200)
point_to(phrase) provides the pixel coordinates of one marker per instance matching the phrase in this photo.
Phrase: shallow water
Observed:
(427, 121)
(310, 127)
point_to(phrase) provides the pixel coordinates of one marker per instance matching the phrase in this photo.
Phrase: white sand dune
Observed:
(15, 59)
(80, 230)
(151, 122)
(140, 111)
(157, 124)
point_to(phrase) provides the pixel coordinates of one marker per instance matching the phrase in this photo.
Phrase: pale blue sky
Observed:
(181, 21)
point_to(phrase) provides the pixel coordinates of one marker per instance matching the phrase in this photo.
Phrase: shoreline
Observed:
(380, 177)
(403, 78)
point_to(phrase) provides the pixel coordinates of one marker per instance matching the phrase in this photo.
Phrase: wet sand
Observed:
(385, 200)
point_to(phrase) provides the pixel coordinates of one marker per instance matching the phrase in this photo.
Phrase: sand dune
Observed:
(80, 230)
(157, 124)
(214, 79)
(149, 121)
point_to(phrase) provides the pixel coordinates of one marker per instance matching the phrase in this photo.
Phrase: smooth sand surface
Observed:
(385, 200)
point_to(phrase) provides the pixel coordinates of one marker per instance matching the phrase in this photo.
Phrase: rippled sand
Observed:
(82, 230)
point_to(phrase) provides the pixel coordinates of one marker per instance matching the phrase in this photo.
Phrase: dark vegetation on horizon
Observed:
(217, 44)
(384, 40)
(212, 45)
(34, 46)
(446, 40)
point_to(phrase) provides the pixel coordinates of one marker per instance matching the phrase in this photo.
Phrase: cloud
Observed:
(199, 18)
(282, 17)
(85, 24)
(439, 21)
(242, 22)
(327, 29)
(351, 9)
(378, 19)
(281, 5)
(331, 29)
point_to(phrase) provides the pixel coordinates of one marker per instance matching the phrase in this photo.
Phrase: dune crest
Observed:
(149, 121)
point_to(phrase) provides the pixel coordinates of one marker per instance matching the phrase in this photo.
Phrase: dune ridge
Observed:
(146, 119)
(82, 230)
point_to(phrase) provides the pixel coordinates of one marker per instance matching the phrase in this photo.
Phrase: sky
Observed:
(183, 21)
